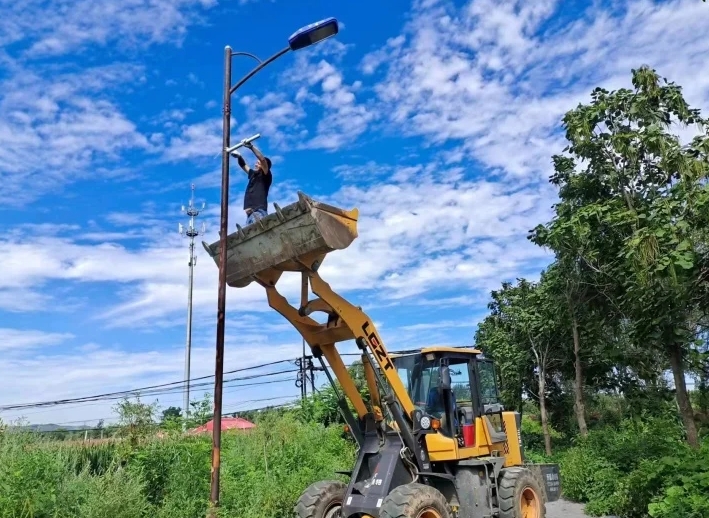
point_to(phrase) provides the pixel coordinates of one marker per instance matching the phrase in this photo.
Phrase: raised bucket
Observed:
(302, 232)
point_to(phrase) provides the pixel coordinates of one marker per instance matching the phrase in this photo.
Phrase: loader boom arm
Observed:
(345, 322)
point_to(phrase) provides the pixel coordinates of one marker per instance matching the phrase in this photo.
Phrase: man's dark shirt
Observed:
(256, 195)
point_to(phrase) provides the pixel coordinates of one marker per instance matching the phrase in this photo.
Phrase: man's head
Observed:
(260, 167)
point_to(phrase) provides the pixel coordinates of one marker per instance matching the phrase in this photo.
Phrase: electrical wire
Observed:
(120, 394)
(224, 414)
(165, 388)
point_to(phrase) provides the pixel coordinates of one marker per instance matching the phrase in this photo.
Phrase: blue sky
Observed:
(436, 118)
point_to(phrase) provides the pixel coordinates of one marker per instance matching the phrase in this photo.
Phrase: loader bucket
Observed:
(298, 234)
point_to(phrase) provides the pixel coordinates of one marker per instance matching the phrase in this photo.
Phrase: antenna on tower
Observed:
(191, 232)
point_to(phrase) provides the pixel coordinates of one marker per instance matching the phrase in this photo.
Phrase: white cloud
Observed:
(343, 117)
(199, 140)
(62, 130)
(72, 24)
(97, 369)
(22, 300)
(486, 77)
(312, 85)
(60, 122)
(21, 339)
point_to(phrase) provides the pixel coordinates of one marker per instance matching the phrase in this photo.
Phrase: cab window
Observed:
(489, 394)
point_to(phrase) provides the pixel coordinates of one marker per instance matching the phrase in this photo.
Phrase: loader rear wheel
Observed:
(519, 494)
(415, 501)
(321, 500)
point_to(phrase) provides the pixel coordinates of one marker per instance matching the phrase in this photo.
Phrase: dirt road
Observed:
(564, 509)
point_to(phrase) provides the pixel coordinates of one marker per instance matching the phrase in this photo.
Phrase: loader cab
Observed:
(453, 386)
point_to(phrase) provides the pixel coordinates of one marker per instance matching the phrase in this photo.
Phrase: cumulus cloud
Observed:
(497, 78)
(71, 24)
(62, 131)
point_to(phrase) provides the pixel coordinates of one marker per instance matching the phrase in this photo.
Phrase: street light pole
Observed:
(221, 297)
(304, 37)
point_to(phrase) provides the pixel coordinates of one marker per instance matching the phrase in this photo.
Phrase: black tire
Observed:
(321, 500)
(411, 500)
(516, 485)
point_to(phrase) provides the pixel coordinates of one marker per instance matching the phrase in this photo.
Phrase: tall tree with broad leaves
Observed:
(634, 210)
(522, 335)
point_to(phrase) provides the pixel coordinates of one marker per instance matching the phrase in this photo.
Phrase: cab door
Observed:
(489, 406)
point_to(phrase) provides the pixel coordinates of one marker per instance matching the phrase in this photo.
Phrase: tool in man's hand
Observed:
(245, 142)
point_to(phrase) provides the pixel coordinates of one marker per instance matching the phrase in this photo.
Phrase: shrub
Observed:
(644, 466)
(116, 493)
(533, 436)
(42, 479)
(263, 473)
(266, 470)
(686, 481)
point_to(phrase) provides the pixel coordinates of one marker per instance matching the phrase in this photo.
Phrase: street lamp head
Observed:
(313, 33)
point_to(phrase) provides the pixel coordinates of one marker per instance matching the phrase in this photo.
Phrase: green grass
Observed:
(641, 468)
(262, 473)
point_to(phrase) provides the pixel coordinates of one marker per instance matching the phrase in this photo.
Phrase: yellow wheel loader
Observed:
(435, 441)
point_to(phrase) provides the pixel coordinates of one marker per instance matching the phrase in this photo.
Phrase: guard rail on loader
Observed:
(464, 461)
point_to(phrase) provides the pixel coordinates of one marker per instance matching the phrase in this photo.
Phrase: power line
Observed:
(131, 391)
(157, 392)
(172, 391)
(152, 390)
(258, 400)
(119, 394)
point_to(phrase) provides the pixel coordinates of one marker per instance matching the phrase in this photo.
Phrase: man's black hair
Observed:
(268, 161)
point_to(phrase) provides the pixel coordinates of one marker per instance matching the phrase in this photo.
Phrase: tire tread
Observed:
(307, 504)
(511, 481)
(402, 502)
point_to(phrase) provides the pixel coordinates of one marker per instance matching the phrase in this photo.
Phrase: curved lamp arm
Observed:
(257, 69)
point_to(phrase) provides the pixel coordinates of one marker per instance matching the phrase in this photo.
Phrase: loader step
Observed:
(299, 234)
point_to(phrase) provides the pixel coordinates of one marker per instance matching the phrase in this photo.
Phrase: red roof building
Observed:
(228, 423)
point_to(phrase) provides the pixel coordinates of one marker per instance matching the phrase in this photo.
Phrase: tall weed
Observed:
(263, 473)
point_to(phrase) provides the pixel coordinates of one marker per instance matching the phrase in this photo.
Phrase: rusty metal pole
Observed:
(305, 37)
(221, 302)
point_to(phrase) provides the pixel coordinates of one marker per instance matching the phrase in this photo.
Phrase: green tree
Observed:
(633, 209)
(171, 412)
(201, 411)
(323, 406)
(523, 335)
(135, 418)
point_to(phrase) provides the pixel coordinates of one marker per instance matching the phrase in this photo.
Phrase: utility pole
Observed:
(312, 374)
(191, 232)
(312, 368)
(304, 378)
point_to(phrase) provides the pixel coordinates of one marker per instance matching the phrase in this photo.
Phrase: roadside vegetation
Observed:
(605, 356)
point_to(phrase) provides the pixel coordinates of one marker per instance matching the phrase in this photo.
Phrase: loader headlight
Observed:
(425, 422)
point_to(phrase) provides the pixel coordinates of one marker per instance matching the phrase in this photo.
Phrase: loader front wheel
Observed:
(415, 501)
(519, 494)
(321, 500)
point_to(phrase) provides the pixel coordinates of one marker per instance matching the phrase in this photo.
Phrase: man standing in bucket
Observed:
(260, 178)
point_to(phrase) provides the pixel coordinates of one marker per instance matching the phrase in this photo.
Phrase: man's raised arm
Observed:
(241, 160)
(259, 155)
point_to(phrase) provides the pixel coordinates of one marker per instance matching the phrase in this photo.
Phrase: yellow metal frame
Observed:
(346, 321)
